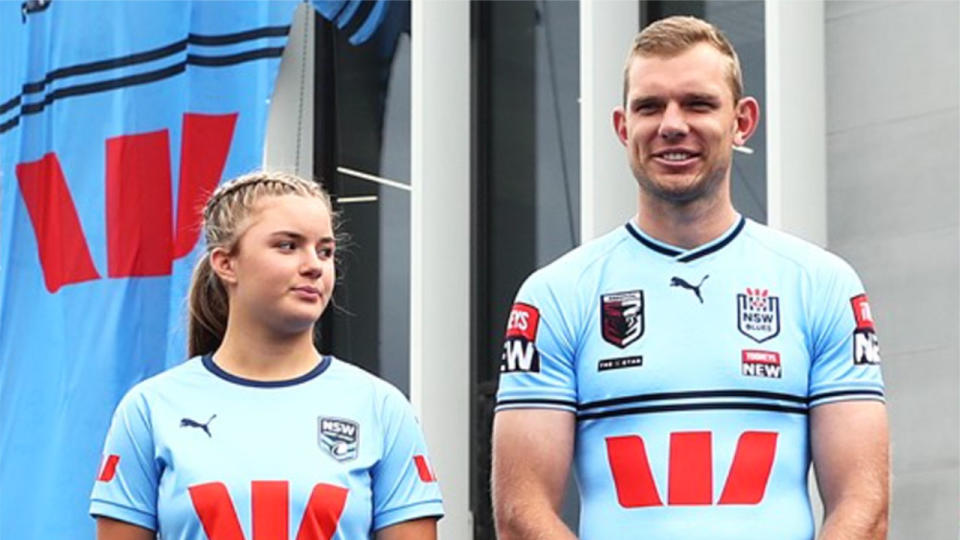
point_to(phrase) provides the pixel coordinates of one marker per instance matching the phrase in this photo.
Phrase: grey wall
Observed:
(893, 138)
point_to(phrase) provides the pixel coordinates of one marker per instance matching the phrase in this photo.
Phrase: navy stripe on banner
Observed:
(103, 65)
(11, 103)
(142, 57)
(693, 407)
(693, 395)
(214, 61)
(140, 78)
(358, 18)
(229, 39)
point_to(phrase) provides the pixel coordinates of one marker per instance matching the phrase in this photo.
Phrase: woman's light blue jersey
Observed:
(197, 453)
(691, 373)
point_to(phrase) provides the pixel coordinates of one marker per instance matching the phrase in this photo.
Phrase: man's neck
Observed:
(685, 225)
(254, 352)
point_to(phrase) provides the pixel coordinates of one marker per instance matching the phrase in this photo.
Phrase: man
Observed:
(691, 363)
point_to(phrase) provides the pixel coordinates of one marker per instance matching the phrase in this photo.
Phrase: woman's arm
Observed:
(112, 529)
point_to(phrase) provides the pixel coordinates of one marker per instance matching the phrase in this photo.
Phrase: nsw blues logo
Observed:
(621, 317)
(339, 437)
(758, 314)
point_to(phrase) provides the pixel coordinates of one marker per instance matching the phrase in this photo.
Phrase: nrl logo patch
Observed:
(621, 317)
(758, 314)
(339, 437)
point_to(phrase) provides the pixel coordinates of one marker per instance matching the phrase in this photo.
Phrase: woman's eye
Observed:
(287, 246)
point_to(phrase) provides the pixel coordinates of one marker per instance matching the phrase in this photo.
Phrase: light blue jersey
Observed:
(197, 453)
(691, 373)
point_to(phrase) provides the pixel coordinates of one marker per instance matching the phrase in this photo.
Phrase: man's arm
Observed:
(850, 444)
(532, 450)
(415, 529)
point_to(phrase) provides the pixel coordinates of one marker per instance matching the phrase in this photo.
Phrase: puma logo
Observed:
(680, 282)
(186, 422)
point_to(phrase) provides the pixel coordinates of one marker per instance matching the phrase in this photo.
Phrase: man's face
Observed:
(680, 123)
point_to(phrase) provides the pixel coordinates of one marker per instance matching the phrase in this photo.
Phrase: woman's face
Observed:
(282, 271)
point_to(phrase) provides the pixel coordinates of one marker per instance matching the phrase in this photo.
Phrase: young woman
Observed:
(258, 437)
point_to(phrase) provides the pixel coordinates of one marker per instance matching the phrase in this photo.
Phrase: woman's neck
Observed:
(258, 354)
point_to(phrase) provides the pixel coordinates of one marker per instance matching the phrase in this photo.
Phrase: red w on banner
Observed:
(64, 254)
(141, 237)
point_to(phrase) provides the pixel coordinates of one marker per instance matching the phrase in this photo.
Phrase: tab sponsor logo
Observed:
(519, 345)
(866, 346)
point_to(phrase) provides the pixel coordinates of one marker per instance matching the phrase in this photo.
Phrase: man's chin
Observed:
(676, 190)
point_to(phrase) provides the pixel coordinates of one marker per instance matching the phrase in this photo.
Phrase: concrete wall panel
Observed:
(893, 130)
(896, 62)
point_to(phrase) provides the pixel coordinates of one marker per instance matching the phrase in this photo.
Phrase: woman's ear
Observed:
(223, 265)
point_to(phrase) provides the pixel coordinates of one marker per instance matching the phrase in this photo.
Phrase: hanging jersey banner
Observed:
(117, 119)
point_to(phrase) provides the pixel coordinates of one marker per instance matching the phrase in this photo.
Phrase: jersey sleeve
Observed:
(537, 366)
(404, 484)
(846, 354)
(126, 486)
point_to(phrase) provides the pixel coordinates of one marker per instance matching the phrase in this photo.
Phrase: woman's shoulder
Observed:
(349, 374)
(172, 378)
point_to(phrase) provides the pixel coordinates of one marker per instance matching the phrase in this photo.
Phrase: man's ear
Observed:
(748, 118)
(223, 265)
(620, 124)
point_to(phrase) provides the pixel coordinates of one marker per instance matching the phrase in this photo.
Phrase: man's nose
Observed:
(673, 124)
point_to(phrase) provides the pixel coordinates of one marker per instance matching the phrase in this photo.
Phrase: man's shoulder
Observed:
(793, 250)
(569, 268)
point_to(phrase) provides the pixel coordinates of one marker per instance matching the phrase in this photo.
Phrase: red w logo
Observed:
(691, 469)
(270, 511)
(141, 237)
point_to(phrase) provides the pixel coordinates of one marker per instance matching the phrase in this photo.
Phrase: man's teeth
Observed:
(676, 156)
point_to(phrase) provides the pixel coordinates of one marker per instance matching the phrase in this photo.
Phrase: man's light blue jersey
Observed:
(197, 453)
(691, 373)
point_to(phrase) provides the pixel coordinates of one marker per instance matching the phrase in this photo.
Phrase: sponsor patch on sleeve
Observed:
(108, 468)
(866, 346)
(519, 345)
(424, 470)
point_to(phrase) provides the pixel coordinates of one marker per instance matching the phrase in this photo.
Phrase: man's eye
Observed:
(326, 252)
(701, 105)
(645, 108)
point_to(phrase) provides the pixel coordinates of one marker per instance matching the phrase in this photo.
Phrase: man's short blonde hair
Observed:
(674, 35)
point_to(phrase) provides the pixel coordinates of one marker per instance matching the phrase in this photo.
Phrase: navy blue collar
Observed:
(686, 256)
(212, 367)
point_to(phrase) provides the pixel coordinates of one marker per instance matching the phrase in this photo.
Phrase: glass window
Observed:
(365, 124)
(526, 180)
